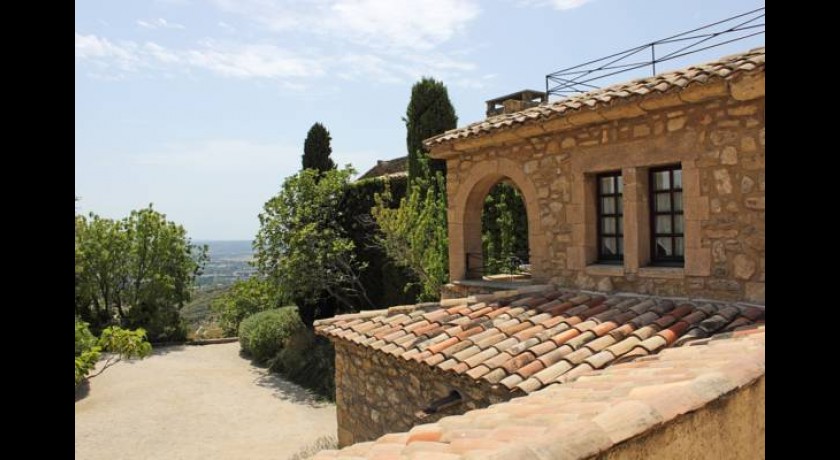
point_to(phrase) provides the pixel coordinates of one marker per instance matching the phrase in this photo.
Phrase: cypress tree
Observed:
(317, 149)
(429, 113)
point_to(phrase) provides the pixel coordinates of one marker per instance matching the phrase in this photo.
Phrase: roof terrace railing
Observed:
(580, 78)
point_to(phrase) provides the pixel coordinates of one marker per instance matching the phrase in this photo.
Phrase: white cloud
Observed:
(238, 61)
(383, 41)
(159, 23)
(557, 4)
(226, 26)
(401, 23)
(397, 24)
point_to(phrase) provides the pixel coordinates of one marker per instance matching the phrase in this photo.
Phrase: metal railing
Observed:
(579, 78)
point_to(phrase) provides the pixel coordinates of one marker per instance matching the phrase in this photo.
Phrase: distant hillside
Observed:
(229, 261)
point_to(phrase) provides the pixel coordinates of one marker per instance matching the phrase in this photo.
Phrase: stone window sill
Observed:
(605, 270)
(662, 272)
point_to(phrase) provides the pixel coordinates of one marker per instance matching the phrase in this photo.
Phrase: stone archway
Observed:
(466, 203)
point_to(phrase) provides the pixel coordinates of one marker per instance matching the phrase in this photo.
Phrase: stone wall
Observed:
(730, 427)
(378, 393)
(716, 132)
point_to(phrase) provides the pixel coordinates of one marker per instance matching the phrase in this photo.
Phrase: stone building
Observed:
(655, 186)
(645, 206)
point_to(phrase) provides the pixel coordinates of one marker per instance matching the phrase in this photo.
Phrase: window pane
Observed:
(607, 185)
(608, 205)
(620, 225)
(608, 225)
(663, 202)
(608, 247)
(664, 248)
(678, 201)
(678, 224)
(620, 182)
(663, 224)
(678, 247)
(661, 180)
(621, 246)
(678, 178)
(620, 206)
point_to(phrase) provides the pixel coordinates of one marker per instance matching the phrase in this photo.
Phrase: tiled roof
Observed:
(589, 415)
(527, 340)
(726, 68)
(389, 168)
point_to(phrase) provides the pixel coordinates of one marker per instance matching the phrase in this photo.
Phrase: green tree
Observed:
(303, 249)
(429, 113)
(504, 225)
(415, 234)
(243, 299)
(317, 149)
(136, 272)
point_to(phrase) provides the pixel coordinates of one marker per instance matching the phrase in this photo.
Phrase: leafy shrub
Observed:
(120, 343)
(87, 353)
(242, 299)
(309, 361)
(262, 335)
(162, 323)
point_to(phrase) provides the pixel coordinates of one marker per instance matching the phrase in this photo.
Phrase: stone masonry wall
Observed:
(719, 139)
(377, 393)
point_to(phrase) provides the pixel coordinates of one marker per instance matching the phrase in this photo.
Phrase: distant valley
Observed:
(228, 262)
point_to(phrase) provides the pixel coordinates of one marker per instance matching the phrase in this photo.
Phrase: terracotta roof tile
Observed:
(526, 340)
(591, 411)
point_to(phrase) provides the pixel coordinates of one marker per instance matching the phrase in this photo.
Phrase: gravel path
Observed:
(196, 402)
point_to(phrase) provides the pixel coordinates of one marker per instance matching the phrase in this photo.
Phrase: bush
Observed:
(309, 361)
(262, 335)
(120, 343)
(242, 299)
(87, 353)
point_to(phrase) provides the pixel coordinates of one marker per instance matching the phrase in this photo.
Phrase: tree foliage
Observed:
(243, 299)
(415, 234)
(317, 149)
(303, 249)
(117, 343)
(504, 225)
(429, 113)
(135, 272)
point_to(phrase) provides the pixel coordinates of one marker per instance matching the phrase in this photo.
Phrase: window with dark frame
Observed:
(610, 218)
(666, 216)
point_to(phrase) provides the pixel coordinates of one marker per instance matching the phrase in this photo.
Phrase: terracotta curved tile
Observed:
(517, 362)
(672, 333)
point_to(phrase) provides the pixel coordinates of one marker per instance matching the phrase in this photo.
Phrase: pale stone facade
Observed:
(714, 131)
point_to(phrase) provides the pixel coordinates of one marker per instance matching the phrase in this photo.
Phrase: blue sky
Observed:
(201, 106)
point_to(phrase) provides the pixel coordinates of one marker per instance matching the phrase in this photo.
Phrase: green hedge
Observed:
(262, 335)
(384, 281)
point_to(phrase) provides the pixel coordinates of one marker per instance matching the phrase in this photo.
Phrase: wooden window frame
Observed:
(618, 195)
(667, 261)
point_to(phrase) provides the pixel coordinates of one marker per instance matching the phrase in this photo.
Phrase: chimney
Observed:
(515, 102)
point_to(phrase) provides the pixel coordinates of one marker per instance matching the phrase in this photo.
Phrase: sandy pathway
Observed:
(197, 402)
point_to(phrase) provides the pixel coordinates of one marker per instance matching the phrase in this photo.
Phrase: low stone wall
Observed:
(730, 427)
(378, 393)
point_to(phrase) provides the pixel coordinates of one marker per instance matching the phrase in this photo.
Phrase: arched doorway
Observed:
(504, 235)
(466, 205)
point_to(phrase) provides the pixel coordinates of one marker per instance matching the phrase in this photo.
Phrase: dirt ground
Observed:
(196, 402)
